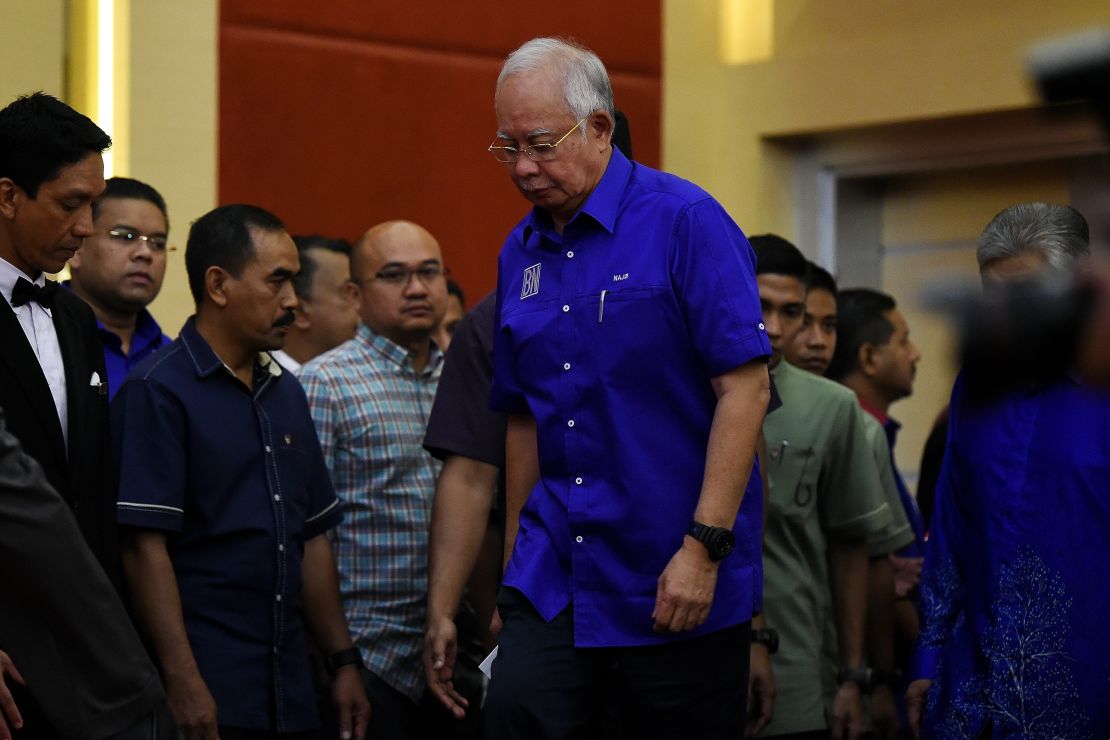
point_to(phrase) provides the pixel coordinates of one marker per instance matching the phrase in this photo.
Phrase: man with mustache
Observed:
(119, 271)
(370, 399)
(226, 500)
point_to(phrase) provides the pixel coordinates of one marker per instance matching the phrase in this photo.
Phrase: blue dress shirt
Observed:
(236, 478)
(1014, 590)
(147, 338)
(609, 335)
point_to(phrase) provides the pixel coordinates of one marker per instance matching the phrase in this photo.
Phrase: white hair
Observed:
(1058, 232)
(586, 86)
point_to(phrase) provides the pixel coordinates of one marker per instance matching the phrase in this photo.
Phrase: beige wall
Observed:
(837, 64)
(173, 53)
(32, 47)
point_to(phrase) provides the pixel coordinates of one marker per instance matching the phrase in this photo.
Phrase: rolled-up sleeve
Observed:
(713, 269)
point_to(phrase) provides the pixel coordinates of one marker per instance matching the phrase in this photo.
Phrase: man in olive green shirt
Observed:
(825, 503)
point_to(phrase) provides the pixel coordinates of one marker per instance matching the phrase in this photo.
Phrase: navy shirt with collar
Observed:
(236, 479)
(609, 335)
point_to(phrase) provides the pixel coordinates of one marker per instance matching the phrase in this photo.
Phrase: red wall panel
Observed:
(344, 114)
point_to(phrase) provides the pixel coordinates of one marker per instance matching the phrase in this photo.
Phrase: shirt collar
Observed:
(147, 332)
(10, 274)
(395, 353)
(602, 205)
(206, 361)
(884, 420)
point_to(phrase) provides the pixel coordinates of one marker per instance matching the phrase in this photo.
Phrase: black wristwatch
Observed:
(350, 656)
(768, 638)
(717, 540)
(860, 676)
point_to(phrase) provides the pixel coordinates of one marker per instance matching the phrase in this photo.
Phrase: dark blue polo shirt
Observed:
(237, 480)
(609, 335)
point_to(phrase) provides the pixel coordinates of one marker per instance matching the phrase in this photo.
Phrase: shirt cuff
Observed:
(327, 518)
(751, 346)
(508, 403)
(149, 516)
(924, 662)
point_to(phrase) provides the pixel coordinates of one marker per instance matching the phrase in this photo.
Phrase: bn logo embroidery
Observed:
(531, 285)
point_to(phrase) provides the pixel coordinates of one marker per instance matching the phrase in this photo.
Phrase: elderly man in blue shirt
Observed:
(225, 501)
(630, 354)
(1013, 641)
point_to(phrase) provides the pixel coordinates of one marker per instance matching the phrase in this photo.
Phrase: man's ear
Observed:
(10, 193)
(215, 285)
(867, 359)
(600, 129)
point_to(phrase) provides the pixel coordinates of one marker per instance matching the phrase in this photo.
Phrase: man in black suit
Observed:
(52, 377)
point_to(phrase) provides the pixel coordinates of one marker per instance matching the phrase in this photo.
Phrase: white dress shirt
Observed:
(37, 323)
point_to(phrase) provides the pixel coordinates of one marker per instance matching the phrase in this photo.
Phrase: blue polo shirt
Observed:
(609, 335)
(236, 479)
(147, 338)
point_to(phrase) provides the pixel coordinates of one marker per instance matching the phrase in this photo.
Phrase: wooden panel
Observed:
(337, 123)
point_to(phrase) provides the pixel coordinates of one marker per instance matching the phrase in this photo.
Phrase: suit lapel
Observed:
(78, 369)
(24, 369)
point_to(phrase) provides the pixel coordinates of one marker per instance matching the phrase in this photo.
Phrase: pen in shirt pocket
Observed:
(601, 307)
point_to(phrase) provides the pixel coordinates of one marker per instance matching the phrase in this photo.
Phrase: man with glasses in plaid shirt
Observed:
(370, 399)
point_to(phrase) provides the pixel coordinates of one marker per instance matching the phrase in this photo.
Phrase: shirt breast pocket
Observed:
(629, 328)
(794, 472)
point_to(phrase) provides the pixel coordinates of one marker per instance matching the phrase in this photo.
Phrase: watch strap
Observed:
(350, 656)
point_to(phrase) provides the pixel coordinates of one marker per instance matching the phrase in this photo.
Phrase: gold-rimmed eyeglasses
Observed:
(542, 152)
(130, 237)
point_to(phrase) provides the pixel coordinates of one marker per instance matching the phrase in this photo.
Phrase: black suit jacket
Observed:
(83, 473)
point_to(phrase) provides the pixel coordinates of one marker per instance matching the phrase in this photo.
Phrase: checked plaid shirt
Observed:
(371, 409)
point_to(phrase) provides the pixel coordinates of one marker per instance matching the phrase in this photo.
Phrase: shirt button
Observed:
(566, 366)
(761, 326)
(281, 548)
(277, 498)
(570, 255)
(578, 481)
(278, 597)
(578, 538)
(566, 308)
(570, 423)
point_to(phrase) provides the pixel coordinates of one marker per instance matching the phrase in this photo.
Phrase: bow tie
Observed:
(25, 292)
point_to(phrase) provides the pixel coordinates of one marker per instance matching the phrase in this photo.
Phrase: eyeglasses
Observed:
(131, 238)
(399, 276)
(536, 152)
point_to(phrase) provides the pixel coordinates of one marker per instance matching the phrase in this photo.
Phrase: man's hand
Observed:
(907, 574)
(685, 590)
(193, 707)
(884, 713)
(351, 702)
(495, 623)
(440, 652)
(847, 715)
(761, 690)
(9, 712)
(916, 695)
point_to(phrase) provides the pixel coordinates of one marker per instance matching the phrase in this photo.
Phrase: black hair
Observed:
(775, 255)
(222, 238)
(860, 320)
(622, 134)
(456, 290)
(125, 188)
(302, 284)
(821, 279)
(40, 135)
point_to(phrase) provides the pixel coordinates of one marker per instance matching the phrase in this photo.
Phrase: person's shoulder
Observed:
(161, 364)
(668, 187)
(335, 362)
(74, 309)
(818, 389)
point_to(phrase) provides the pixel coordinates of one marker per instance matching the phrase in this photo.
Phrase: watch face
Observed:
(723, 543)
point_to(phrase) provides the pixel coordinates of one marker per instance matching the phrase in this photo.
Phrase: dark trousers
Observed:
(240, 733)
(544, 688)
